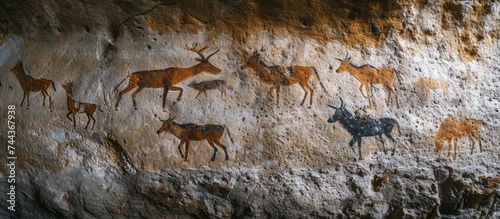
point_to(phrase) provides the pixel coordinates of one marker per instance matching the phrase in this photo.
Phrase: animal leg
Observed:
(127, 89)
(179, 148)
(394, 141)
(74, 120)
(88, 121)
(199, 92)
(311, 95)
(455, 141)
(28, 98)
(43, 94)
(164, 98)
(479, 140)
(67, 115)
(381, 139)
(92, 117)
(187, 151)
(205, 92)
(277, 89)
(395, 96)
(223, 148)
(215, 150)
(352, 142)
(305, 94)
(359, 148)
(367, 96)
(450, 145)
(177, 89)
(473, 144)
(135, 93)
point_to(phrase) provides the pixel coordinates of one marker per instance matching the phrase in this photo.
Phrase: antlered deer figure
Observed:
(452, 129)
(167, 78)
(275, 76)
(29, 84)
(212, 133)
(359, 129)
(78, 107)
(367, 75)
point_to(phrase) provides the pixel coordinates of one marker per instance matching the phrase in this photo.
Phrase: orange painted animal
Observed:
(212, 133)
(452, 129)
(29, 84)
(167, 78)
(367, 75)
(425, 84)
(75, 107)
(275, 76)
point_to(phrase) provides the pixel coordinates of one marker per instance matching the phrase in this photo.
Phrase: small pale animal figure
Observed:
(425, 84)
(209, 85)
(452, 129)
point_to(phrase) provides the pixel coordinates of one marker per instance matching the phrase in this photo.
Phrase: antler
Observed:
(212, 54)
(199, 51)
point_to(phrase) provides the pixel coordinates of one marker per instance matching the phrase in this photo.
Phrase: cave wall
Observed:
(284, 158)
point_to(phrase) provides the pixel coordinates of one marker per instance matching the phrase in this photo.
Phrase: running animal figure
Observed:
(426, 84)
(452, 129)
(275, 76)
(75, 107)
(368, 75)
(209, 85)
(369, 127)
(212, 133)
(29, 84)
(167, 78)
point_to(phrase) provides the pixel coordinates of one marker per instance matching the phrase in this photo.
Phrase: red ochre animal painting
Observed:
(368, 75)
(425, 84)
(212, 133)
(452, 129)
(29, 84)
(75, 107)
(276, 76)
(167, 78)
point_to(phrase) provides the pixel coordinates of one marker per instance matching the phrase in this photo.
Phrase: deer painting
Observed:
(212, 133)
(426, 84)
(452, 129)
(368, 75)
(209, 85)
(368, 127)
(167, 78)
(29, 84)
(275, 76)
(75, 107)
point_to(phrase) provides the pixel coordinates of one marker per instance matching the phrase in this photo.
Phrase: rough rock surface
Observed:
(287, 161)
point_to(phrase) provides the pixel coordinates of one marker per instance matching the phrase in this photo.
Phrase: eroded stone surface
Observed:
(286, 160)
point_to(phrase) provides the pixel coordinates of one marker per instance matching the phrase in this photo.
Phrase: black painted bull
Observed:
(368, 128)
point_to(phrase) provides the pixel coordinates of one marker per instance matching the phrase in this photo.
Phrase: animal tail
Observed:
(317, 78)
(229, 133)
(122, 81)
(53, 85)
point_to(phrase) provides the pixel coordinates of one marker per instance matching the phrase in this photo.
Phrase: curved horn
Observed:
(163, 120)
(341, 103)
(212, 54)
(333, 107)
(346, 55)
(338, 59)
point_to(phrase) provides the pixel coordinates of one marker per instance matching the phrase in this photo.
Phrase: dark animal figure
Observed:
(167, 78)
(78, 107)
(275, 76)
(209, 85)
(191, 132)
(29, 84)
(359, 129)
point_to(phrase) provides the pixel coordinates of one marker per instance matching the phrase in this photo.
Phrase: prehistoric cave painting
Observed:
(209, 85)
(425, 84)
(29, 84)
(369, 127)
(75, 107)
(167, 78)
(368, 75)
(452, 129)
(212, 133)
(275, 76)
